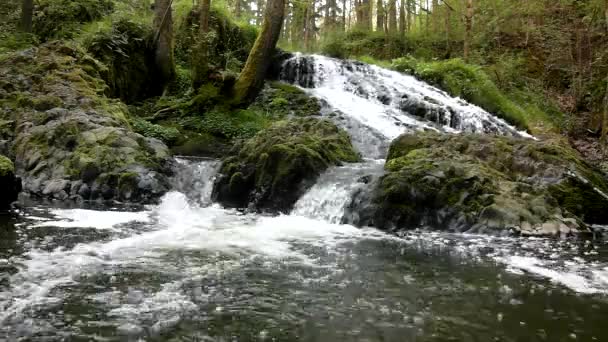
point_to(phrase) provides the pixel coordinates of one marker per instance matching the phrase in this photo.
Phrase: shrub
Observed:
(61, 18)
(125, 48)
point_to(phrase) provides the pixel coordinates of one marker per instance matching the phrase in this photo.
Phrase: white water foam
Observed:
(387, 101)
(181, 226)
(82, 218)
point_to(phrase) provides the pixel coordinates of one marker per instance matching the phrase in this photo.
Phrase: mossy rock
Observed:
(482, 183)
(10, 185)
(270, 171)
(67, 134)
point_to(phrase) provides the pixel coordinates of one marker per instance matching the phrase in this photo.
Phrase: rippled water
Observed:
(189, 270)
(182, 271)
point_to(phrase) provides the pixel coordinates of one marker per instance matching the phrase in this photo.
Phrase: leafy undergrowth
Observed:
(202, 123)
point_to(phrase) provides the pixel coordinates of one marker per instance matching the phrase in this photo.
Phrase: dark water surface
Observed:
(180, 272)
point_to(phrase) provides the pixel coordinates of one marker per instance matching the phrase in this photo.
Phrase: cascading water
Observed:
(187, 269)
(387, 102)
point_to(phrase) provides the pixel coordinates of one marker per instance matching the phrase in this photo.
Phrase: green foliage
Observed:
(167, 134)
(6, 166)
(228, 42)
(472, 84)
(360, 42)
(125, 48)
(15, 41)
(181, 83)
(62, 18)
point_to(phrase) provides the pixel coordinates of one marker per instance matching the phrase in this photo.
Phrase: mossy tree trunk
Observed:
(402, 18)
(163, 24)
(605, 116)
(468, 26)
(380, 16)
(392, 16)
(200, 66)
(27, 13)
(252, 76)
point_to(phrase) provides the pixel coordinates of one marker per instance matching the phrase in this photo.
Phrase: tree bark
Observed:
(163, 24)
(435, 18)
(344, 15)
(605, 118)
(238, 11)
(380, 16)
(468, 26)
(27, 13)
(409, 14)
(251, 79)
(200, 67)
(402, 18)
(392, 16)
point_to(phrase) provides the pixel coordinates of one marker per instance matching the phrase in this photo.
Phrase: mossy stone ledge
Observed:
(270, 171)
(70, 141)
(484, 184)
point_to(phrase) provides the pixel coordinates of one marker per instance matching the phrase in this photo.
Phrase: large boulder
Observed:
(270, 171)
(482, 183)
(10, 185)
(70, 140)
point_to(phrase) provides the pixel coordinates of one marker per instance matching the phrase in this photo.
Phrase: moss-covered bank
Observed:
(69, 140)
(270, 171)
(480, 183)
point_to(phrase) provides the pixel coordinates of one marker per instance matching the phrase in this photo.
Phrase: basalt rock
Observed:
(483, 184)
(69, 140)
(270, 171)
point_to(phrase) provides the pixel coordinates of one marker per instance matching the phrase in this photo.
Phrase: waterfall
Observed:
(385, 102)
(375, 105)
(194, 177)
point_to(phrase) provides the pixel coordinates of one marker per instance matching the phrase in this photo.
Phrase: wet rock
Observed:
(9, 183)
(69, 139)
(273, 169)
(484, 184)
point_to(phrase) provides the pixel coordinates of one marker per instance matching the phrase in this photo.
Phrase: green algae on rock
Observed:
(270, 171)
(482, 183)
(69, 139)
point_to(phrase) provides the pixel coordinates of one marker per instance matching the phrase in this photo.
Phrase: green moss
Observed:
(125, 47)
(127, 182)
(169, 135)
(62, 18)
(6, 167)
(498, 182)
(276, 161)
(466, 81)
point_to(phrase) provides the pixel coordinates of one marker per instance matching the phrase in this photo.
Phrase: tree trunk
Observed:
(260, 13)
(448, 23)
(435, 18)
(344, 15)
(605, 119)
(238, 11)
(163, 24)
(380, 16)
(402, 18)
(251, 79)
(428, 16)
(27, 13)
(468, 25)
(365, 14)
(409, 14)
(200, 66)
(392, 16)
